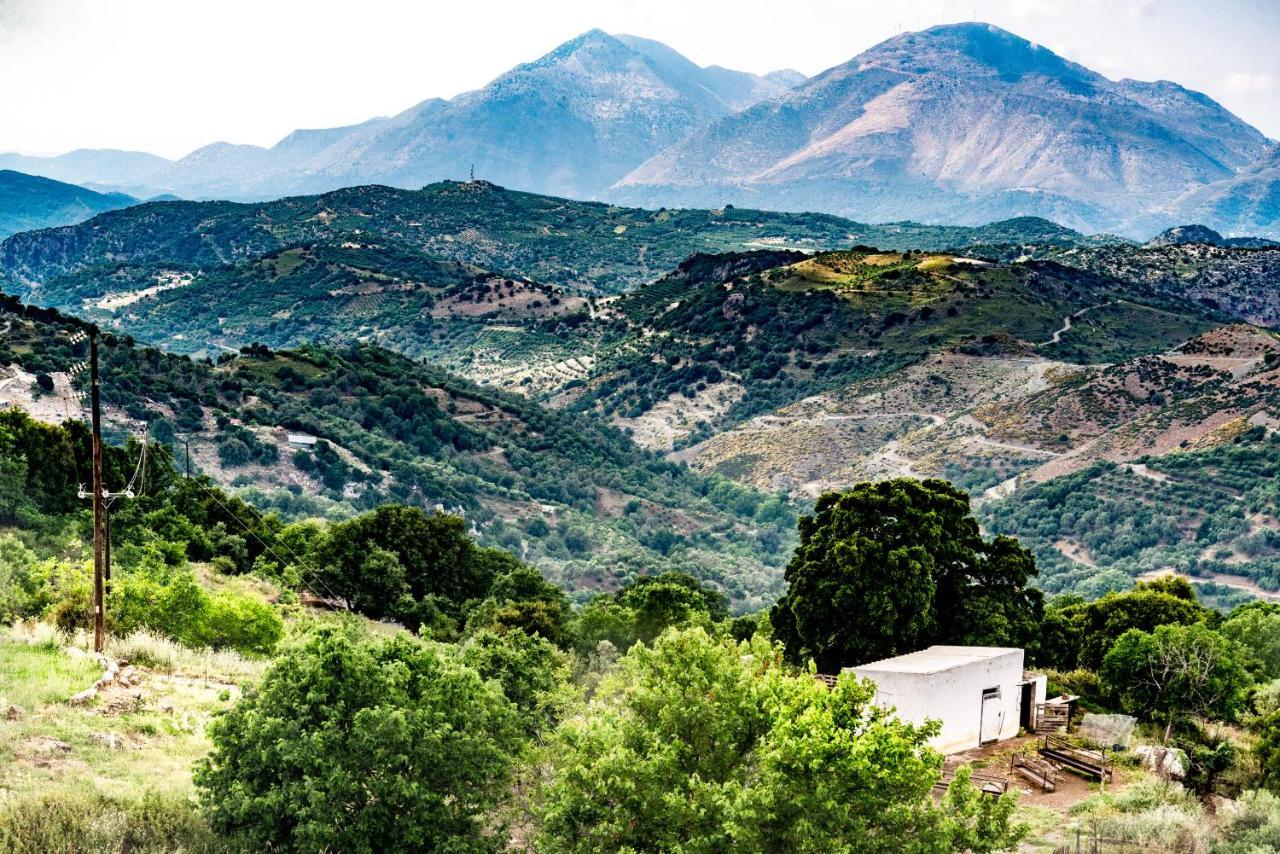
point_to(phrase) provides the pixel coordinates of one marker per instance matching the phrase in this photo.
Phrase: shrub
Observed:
(240, 623)
(171, 602)
(1253, 826)
(352, 745)
(76, 819)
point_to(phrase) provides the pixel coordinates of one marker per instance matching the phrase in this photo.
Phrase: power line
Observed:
(297, 560)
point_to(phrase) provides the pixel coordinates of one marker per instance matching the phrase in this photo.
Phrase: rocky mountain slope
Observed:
(1246, 203)
(570, 123)
(1242, 281)
(959, 123)
(31, 202)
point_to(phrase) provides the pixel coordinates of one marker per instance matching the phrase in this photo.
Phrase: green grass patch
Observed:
(34, 675)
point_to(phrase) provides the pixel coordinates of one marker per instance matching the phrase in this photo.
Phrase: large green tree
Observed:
(374, 561)
(1256, 627)
(700, 744)
(351, 745)
(1081, 633)
(1177, 671)
(891, 567)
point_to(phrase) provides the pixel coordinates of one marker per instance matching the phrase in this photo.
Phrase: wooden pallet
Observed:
(1093, 763)
(1038, 770)
(1052, 717)
(988, 784)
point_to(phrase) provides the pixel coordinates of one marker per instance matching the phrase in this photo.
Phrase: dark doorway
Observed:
(1027, 709)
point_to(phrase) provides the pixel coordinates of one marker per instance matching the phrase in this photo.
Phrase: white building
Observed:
(301, 440)
(979, 693)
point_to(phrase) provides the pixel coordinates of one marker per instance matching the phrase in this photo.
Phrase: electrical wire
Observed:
(298, 561)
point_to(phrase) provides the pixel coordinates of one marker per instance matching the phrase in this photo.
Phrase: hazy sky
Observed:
(170, 75)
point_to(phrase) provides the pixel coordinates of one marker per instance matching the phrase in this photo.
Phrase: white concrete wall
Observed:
(954, 697)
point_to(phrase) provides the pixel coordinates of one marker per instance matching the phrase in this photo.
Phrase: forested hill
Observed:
(30, 202)
(567, 493)
(588, 246)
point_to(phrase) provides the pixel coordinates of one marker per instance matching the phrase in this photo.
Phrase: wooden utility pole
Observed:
(99, 510)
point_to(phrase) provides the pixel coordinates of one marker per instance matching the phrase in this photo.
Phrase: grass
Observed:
(114, 775)
(35, 675)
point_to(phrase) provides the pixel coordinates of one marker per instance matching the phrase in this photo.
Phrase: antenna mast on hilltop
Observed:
(473, 173)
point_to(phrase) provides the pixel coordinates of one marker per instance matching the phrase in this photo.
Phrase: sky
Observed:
(168, 76)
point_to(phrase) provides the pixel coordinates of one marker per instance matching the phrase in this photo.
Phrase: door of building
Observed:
(1027, 708)
(992, 720)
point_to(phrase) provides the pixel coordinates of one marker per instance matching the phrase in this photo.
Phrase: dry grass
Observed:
(113, 775)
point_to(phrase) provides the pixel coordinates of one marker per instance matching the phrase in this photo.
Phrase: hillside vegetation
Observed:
(567, 493)
(28, 202)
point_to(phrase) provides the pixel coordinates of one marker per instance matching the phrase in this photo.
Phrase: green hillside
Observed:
(29, 202)
(590, 247)
(566, 492)
(1208, 513)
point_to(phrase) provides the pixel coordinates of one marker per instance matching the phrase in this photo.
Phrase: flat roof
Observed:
(936, 659)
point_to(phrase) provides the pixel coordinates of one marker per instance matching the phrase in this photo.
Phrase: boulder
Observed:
(109, 740)
(85, 697)
(1169, 762)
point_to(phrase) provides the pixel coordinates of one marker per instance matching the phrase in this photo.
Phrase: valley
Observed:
(787, 371)
(882, 456)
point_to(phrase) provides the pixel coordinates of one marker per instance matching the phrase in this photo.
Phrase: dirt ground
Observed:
(993, 759)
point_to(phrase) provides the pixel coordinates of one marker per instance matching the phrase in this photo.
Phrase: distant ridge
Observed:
(961, 123)
(31, 202)
(97, 169)
(1181, 235)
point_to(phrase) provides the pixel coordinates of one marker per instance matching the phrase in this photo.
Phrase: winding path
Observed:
(1056, 337)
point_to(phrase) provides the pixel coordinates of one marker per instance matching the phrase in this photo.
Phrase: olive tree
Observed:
(1176, 671)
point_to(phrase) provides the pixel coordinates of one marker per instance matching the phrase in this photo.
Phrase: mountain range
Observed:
(960, 124)
(963, 124)
(570, 123)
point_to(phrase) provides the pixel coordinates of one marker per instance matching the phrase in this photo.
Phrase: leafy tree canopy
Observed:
(890, 567)
(702, 744)
(1256, 627)
(1081, 633)
(361, 746)
(1176, 671)
(374, 560)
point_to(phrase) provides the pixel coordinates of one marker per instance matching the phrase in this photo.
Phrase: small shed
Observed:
(301, 440)
(979, 693)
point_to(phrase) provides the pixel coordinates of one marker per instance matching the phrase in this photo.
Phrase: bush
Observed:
(240, 623)
(1253, 826)
(171, 602)
(351, 745)
(78, 819)
(1153, 814)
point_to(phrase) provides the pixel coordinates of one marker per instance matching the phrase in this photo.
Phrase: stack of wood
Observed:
(1042, 772)
(988, 784)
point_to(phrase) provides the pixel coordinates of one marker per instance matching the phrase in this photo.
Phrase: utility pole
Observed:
(99, 510)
